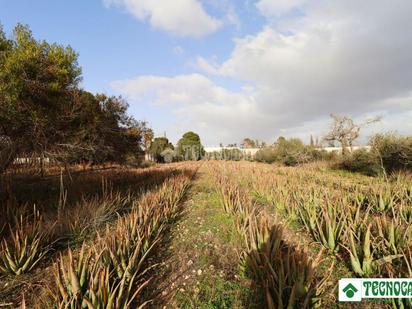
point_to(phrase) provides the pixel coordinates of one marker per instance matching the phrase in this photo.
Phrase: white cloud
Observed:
(345, 56)
(199, 104)
(179, 17)
(209, 66)
(339, 56)
(277, 7)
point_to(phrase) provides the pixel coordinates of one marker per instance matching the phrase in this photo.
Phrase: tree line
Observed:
(189, 147)
(44, 113)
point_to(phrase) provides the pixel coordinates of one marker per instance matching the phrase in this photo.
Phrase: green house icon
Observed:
(350, 290)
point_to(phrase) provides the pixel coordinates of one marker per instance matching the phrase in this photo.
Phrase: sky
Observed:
(230, 69)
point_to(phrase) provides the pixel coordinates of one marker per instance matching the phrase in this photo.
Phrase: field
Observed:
(207, 234)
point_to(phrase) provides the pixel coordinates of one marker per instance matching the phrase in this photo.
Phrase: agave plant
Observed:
(25, 248)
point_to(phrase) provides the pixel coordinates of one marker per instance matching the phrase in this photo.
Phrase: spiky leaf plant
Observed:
(364, 261)
(285, 272)
(383, 201)
(87, 283)
(330, 227)
(308, 214)
(395, 235)
(25, 248)
(404, 303)
(73, 279)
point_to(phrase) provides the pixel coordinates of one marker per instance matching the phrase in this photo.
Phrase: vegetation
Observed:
(45, 115)
(309, 203)
(288, 152)
(393, 152)
(345, 131)
(189, 147)
(204, 234)
(389, 153)
(158, 146)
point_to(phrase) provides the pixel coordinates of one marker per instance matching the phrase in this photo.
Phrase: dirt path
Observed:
(202, 268)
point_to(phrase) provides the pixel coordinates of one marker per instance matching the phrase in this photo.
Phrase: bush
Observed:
(147, 164)
(169, 155)
(362, 161)
(266, 154)
(395, 151)
(133, 161)
(288, 152)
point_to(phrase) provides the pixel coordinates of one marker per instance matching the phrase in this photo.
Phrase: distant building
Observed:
(245, 151)
(339, 149)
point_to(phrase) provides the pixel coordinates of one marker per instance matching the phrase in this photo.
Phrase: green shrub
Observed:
(289, 152)
(362, 161)
(146, 164)
(394, 151)
(266, 154)
(169, 155)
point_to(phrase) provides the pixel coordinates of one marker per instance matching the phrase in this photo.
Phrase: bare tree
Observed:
(345, 131)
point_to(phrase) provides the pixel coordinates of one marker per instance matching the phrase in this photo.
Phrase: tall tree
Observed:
(345, 131)
(158, 146)
(190, 146)
(36, 84)
(248, 143)
(44, 113)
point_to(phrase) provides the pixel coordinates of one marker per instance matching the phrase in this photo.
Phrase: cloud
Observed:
(277, 7)
(208, 66)
(199, 104)
(343, 56)
(339, 56)
(186, 18)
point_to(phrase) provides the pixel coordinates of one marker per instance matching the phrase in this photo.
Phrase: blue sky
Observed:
(230, 69)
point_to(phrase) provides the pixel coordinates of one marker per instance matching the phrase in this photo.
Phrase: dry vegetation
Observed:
(304, 228)
(100, 240)
(91, 246)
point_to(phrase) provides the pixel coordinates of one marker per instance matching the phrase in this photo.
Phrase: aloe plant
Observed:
(405, 303)
(363, 260)
(394, 234)
(285, 272)
(74, 279)
(308, 213)
(89, 284)
(330, 226)
(25, 248)
(384, 201)
(405, 212)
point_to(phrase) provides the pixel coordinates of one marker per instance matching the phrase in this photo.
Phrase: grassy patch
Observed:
(216, 292)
